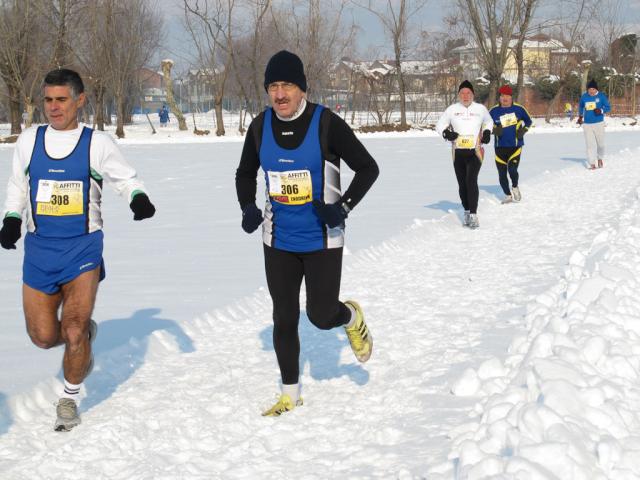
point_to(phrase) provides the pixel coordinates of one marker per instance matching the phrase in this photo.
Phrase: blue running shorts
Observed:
(49, 263)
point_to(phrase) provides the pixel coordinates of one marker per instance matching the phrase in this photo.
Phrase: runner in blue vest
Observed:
(58, 170)
(299, 145)
(510, 122)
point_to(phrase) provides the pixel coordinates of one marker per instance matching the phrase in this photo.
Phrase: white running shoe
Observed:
(473, 221)
(517, 196)
(67, 415)
(507, 199)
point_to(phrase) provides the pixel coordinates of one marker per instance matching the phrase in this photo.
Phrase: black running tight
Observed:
(321, 270)
(467, 165)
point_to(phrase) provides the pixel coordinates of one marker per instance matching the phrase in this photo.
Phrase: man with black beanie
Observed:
(467, 125)
(299, 145)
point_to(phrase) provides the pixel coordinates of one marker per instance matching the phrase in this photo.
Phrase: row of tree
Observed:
(108, 41)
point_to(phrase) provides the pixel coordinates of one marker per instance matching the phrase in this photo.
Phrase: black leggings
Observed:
(321, 271)
(507, 160)
(467, 165)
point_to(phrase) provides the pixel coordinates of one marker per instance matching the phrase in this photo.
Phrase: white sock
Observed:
(292, 390)
(71, 390)
(352, 322)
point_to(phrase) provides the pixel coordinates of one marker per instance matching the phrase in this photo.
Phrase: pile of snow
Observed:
(565, 404)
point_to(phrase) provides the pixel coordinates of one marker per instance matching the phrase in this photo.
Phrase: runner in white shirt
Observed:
(467, 125)
(56, 185)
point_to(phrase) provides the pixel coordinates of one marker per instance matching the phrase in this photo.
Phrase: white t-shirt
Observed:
(467, 122)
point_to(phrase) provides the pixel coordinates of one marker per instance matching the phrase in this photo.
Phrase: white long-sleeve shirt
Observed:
(106, 160)
(467, 122)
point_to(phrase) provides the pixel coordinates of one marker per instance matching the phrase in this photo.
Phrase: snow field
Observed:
(565, 403)
(184, 402)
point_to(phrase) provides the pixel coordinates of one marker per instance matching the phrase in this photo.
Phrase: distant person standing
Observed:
(164, 116)
(510, 122)
(593, 106)
(467, 125)
(568, 111)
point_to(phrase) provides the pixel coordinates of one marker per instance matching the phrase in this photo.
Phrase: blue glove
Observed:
(332, 214)
(251, 218)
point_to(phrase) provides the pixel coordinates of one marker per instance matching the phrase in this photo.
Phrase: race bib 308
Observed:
(59, 199)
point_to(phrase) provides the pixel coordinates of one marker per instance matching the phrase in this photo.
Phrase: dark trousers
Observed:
(507, 161)
(321, 270)
(467, 165)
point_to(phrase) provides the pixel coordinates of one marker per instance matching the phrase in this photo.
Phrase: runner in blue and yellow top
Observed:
(511, 121)
(56, 186)
(299, 146)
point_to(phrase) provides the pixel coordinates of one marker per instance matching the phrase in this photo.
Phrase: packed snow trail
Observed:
(438, 298)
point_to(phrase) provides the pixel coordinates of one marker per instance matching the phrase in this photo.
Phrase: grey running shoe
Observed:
(473, 220)
(67, 412)
(465, 222)
(517, 196)
(507, 199)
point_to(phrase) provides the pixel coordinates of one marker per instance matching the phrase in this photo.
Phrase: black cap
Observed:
(285, 67)
(466, 84)
(592, 84)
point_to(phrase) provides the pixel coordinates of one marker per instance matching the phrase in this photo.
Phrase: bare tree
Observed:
(525, 10)
(210, 24)
(132, 30)
(395, 19)
(19, 66)
(574, 18)
(492, 23)
(168, 82)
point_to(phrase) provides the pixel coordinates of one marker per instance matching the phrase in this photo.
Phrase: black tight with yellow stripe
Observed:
(507, 161)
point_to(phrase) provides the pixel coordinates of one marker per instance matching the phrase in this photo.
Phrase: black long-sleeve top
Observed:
(337, 141)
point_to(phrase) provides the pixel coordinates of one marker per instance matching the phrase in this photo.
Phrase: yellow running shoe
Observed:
(283, 405)
(359, 336)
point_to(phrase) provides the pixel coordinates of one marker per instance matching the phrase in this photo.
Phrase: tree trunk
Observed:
(100, 108)
(219, 120)
(520, 63)
(15, 110)
(166, 72)
(120, 118)
(553, 103)
(401, 86)
(29, 107)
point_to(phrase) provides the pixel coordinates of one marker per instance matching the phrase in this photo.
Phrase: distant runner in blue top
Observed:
(593, 105)
(510, 122)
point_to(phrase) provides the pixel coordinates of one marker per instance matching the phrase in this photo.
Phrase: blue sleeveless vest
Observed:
(59, 188)
(290, 219)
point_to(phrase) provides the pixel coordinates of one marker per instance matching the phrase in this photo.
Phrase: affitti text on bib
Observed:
(59, 198)
(292, 187)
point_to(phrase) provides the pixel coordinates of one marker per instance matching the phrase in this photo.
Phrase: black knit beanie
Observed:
(285, 67)
(466, 84)
(592, 84)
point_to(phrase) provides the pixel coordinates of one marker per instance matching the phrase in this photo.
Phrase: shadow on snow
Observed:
(321, 350)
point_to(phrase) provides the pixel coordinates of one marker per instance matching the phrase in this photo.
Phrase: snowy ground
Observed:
(184, 361)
